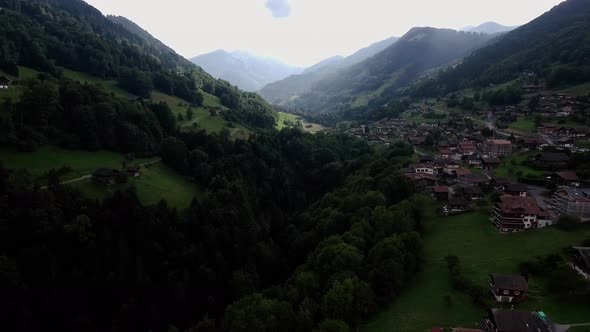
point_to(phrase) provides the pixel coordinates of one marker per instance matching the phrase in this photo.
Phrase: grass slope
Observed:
(515, 166)
(110, 86)
(307, 126)
(157, 181)
(481, 250)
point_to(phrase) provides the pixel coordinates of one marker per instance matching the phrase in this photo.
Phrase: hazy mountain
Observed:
(293, 86)
(247, 71)
(555, 46)
(489, 27)
(375, 80)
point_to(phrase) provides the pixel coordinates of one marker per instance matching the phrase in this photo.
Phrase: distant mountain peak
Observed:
(489, 28)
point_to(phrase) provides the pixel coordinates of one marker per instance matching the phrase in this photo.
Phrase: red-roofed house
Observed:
(515, 214)
(567, 178)
(440, 192)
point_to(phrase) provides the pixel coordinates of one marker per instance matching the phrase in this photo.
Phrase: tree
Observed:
(258, 313)
(568, 222)
(350, 300)
(136, 82)
(175, 153)
(331, 325)
(189, 114)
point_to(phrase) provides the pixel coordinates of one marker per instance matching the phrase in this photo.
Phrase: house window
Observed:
(506, 292)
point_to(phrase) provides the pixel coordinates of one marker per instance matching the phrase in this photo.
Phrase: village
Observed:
(532, 179)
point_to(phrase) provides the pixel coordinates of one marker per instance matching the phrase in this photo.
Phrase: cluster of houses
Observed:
(513, 289)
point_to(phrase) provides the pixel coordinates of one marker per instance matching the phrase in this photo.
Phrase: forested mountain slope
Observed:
(375, 80)
(555, 46)
(283, 91)
(54, 34)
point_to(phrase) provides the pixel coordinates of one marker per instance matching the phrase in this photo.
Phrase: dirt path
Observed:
(234, 131)
(193, 121)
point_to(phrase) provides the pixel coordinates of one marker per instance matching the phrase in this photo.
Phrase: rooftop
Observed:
(510, 282)
(521, 205)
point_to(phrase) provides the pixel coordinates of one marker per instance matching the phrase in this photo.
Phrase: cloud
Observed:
(279, 8)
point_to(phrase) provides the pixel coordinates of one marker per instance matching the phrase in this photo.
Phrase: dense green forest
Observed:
(555, 46)
(295, 229)
(55, 34)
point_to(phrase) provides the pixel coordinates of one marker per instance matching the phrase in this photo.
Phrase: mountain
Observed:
(247, 71)
(489, 28)
(282, 91)
(375, 80)
(555, 46)
(51, 35)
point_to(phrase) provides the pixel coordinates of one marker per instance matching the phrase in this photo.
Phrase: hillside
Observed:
(52, 35)
(283, 91)
(376, 80)
(555, 46)
(489, 28)
(247, 71)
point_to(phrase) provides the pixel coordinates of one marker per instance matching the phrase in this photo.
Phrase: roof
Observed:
(420, 176)
(575, 194)
(462, 172)
(510, 282)
(553, 157)
(518, 321)
(585, 253)
(568, 176)
(517, 187)
(491, 161)
(499, 142)
(521, 205)
(4, 79)
(440, 189)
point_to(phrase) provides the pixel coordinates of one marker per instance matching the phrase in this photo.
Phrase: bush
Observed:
(567, 222)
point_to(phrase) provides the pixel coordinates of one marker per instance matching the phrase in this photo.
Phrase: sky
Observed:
(304, 32)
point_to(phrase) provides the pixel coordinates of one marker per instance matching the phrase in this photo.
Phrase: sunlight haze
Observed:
(303, 32)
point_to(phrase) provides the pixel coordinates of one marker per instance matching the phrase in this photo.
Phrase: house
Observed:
(500, 183)
(467, 148)
(531, 143)
(424, 169)
(132, 171)
(440, 192)
(491, 163)
(566, 178)
(508, 288)
(565, 143)
(473, 179)
(445, 152)
(515, 214)
(572, 201)
(426, 159)
(580, 261)
(105, 175)
(461, 172)
(496, 148)
(4, 83)
(421, 181)
(473, 193)
(474, 160)
(552, 160)
(516, 189)
(502, 320)
(548, 129)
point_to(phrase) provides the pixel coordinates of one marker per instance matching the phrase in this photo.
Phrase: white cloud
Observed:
(314, 30)
(279, 8)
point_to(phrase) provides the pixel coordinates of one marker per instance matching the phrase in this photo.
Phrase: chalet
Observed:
(531, 143)
(440, 193)
(496, 148)
(4, 83)
(105, 175)
(580, 261)
(566, 178)
(424, 169)
(473, 179)
(548, 129)
(473, 193)
(445, 152)
(421, 181)
(515, 214)
(508, 288)
(474, 160)
(552, 160)
(500, 183)
(461, 172)
(132, 171)
(572, 201)
(503, 320)
(516, 189)
(426, 159)
(565, 143)
(467, 148)
(490, 163)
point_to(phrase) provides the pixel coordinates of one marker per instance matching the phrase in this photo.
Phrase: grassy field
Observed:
(578, 90)
(524, 124)
(412, 116)
(110, 86)
(49, 157)
(482, 251)
(156, 182)
(515, 167)
(307, 126)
